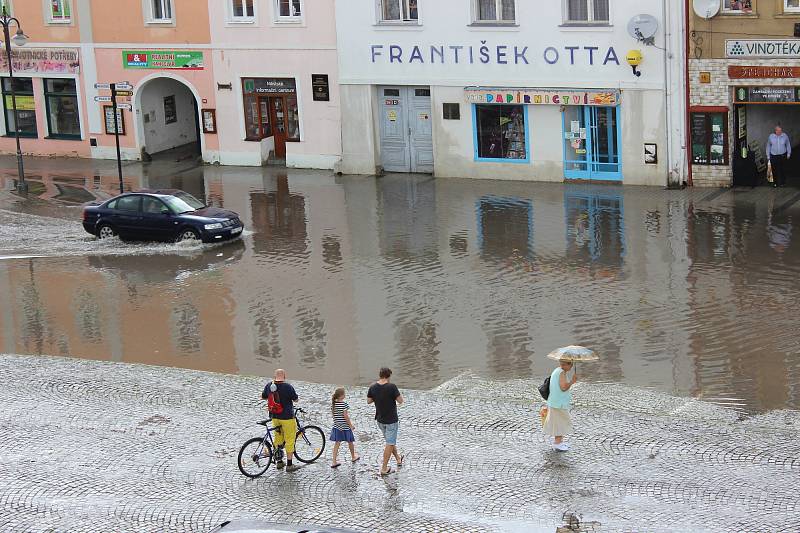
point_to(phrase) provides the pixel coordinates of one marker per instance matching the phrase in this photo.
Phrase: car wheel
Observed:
(187, 234)
(104, 231)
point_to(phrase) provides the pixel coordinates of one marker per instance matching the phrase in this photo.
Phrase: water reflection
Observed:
(682, 290)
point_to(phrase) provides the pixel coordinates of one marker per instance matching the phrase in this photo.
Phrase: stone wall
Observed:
(719, 93)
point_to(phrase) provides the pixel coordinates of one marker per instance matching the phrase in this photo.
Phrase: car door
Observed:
(127, 216)
(158, 222)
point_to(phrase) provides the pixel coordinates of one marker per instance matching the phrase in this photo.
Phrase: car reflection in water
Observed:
(166, 267)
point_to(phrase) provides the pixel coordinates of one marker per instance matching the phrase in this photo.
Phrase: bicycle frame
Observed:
(268, 435)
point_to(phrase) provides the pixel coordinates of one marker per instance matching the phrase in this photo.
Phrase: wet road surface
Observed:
(691, 292)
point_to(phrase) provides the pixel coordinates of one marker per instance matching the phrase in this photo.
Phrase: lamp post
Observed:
(19, 39)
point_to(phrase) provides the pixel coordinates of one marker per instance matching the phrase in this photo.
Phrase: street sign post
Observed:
(105, 86)
(113, 88)
(102, 98)
(125, 106)
(124, 93)
(122, 88)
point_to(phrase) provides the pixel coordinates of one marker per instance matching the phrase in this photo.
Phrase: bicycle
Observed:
(258, 453)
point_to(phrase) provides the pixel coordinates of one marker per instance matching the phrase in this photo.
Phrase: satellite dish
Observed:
(706, 8)
(643, 28)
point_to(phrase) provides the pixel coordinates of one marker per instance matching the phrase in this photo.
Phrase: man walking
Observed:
(280, 398)
(386, 397)
(779, 149)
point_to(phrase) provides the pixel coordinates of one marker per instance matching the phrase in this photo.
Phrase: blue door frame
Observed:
(599, 163)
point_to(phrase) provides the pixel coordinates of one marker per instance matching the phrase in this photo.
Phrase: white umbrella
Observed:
(574, 353)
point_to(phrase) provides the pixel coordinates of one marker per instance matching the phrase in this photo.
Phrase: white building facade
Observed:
(509, 89)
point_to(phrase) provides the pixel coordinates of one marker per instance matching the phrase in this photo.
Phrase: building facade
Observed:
(744, 81)
(236, 82)
(504, 89)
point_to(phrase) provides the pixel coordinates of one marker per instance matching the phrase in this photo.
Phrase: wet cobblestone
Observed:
(92, 446)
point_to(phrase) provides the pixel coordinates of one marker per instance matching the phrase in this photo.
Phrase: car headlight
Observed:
(216, 225)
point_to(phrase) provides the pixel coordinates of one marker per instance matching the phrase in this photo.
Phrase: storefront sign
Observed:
(498, 54)
(268, 85)
(42, 60)
(486, 95)
(24, 103)
(322, 91)
(163, 59)
(767, 95)
(737, 72)
(769, 48)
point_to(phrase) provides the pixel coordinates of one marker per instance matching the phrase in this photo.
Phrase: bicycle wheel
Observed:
(255, 457)
(309, 444)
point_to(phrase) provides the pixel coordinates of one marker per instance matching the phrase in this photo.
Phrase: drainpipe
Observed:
(667, 93)
(687, 152)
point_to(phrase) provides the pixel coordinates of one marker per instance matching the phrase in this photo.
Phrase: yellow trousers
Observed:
(286, 435)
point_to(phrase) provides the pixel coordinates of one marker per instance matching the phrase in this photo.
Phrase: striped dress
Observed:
(341, 432)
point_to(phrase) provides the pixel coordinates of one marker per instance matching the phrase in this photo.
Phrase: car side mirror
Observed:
(166, 211)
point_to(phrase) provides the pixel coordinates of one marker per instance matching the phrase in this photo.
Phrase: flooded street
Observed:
(690, 292)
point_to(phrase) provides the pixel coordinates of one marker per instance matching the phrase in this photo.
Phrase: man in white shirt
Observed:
(779, 149)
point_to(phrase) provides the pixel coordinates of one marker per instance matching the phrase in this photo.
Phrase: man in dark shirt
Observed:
(386, 397)
(284, 421)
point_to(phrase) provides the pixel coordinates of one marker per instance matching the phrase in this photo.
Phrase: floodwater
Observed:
(692, 292)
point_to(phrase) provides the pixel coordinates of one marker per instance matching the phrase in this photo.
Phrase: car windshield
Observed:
(183, 203)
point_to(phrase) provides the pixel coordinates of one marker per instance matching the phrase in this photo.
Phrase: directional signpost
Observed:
(122, 88)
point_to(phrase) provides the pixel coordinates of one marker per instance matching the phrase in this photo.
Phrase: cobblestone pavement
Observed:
(93, 446)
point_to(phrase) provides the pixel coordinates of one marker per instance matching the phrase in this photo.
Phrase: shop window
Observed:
(242, 10)
(742, 6)
(501, 133)
(398, 11)
(61, 102)
(59, 11)
(791, 6)
(451, 111)
(288, 10)
(586, 12)
(494, 11)
(709, 138)
(270, 108)
(160, 11)
(26, 108)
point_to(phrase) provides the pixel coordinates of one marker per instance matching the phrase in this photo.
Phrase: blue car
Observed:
(162, 215)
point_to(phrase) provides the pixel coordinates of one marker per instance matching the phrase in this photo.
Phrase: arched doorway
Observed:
(168, 122)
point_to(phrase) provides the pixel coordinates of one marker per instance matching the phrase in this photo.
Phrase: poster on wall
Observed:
(163, 59)
(108, 114)
(209, 120)
(170, 110)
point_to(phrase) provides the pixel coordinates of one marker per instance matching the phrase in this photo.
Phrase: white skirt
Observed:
(557, 423)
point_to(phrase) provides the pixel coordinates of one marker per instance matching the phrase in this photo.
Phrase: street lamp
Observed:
(19, 39)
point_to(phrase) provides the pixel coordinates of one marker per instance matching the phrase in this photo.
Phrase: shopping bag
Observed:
(769, 171)
(543, 414)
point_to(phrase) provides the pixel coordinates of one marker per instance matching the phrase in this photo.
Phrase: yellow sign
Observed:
(393, 115)
(24, 103)
(705, 77)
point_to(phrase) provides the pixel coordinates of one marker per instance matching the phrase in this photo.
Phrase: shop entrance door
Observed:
(277, 116)
(592, 142)
(406, 141)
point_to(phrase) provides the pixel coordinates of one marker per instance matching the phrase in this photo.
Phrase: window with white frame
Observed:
(586, 12)
(242, 10)
(791, 6)
(160, 10)
(5, 4)
(742, 6)
(398, 10)
(288, 10)
(494, 11)
(59, 11)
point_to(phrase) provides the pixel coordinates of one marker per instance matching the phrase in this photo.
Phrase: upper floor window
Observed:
(399, 11)
(742, 6)
(289, 10)
(242, 10)
(5, 4)
(791, 6)
(495, 11)
(587, 12)
(59, 11)
(160, 10)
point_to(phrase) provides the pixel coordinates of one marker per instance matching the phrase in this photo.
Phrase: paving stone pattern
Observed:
(93, 446)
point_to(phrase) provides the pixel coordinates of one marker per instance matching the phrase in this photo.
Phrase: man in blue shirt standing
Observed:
(779, 149)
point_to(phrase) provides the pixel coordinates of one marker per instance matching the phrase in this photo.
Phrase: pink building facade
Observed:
(240, 82)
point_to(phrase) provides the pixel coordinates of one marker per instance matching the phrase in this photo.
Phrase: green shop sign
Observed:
(163, 59)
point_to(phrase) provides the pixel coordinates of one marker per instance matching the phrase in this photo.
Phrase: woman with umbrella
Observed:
(558, 423)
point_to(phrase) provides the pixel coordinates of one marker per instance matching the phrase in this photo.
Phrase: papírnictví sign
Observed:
(768, 48)
(163, 59)
(491, 95)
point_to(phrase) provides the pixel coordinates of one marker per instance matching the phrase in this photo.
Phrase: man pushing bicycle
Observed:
(280, 398)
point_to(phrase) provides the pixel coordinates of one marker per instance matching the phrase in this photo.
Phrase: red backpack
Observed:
(274, 401)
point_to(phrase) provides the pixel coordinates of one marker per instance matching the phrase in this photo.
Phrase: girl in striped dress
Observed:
(342, 427)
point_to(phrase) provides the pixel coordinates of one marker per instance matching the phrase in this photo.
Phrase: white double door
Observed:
(406, 140)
